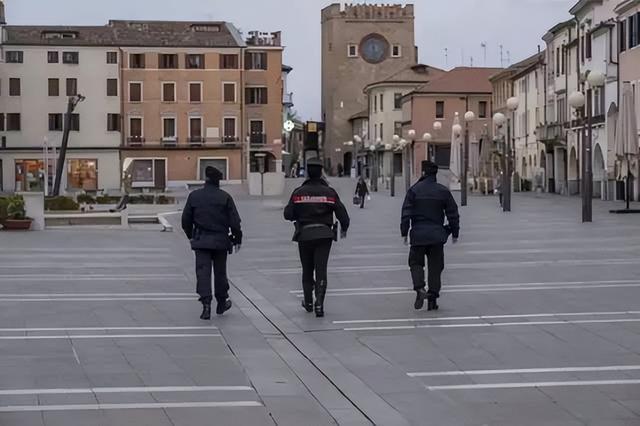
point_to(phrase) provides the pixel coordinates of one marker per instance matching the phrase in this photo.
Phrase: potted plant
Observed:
(16, 215)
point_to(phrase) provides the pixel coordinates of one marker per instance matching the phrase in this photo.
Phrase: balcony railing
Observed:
(169, 142)
(287, 99)
(135, 141)
(196, 140)
(258, 138)
(550, 132)
(190, 142)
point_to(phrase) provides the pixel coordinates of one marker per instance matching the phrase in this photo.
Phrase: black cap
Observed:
(213, 174)
(429, 168)
(315, 162)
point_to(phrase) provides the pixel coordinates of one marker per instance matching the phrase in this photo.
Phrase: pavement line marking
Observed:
(83, 277)
(84, 265)
(535, 384)
(483, 317)
(99, 299)
(27, 330)
(75, 354)
(141, 389)
(89, 249)
(496, 324)
(472, 265)
(524, 371)
(108, 336)
(92, 407)
(23, 295)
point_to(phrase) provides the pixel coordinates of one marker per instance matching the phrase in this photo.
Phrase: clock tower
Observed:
(361, 44)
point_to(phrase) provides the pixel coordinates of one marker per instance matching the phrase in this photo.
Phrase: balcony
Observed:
(258, 139)
(287, 99)
(170, 142)
(550, 132)
(196, 140)
(259, 38)
(135, 141)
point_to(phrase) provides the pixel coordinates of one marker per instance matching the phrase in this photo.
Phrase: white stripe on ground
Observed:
(141, 389)
(535, 384)
(87, 249)
(23, 295)
(525, 371)
(89, 277)
(496, 324)
(84, 265)
(484, 317)
(100, 299)
(92, 407)
(42, 329)
(108, 336)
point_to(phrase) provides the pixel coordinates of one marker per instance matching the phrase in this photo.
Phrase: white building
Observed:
(41, 68)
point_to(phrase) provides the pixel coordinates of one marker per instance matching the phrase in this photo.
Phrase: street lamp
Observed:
(469, 117)
(71, 106)
(512, 106)
(392, 147)
(408, 158)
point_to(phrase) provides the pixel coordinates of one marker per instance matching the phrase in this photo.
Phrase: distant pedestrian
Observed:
(362, 191)
(312, 207)
(340, 170)
(499, 186)
(211, 222)
(423, 212)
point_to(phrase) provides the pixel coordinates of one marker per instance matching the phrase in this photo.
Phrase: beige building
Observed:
(361, 44)
(204, 97)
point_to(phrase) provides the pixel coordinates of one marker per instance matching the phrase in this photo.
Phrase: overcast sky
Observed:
(460, 26)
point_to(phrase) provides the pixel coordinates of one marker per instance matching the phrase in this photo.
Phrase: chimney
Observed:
(3, 21)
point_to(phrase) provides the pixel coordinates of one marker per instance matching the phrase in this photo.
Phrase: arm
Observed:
(453, 217)
(290, 210)
(234, 221)
(341, 214)
(187, 218)
(407, 212)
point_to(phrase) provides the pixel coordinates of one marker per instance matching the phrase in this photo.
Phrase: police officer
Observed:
(210, 220)
(312, 207)
(423, 211)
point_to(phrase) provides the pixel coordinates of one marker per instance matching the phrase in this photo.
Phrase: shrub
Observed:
(163, 199)
(15, 208)
(106, 199)
(60, 204)
(86, 198)
(4, 203)
(141, 199)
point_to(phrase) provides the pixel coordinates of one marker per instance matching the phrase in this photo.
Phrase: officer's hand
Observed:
(238, 247)
(405, 241)
(343, 234)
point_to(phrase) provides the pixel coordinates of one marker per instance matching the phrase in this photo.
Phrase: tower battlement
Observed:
(368, 11)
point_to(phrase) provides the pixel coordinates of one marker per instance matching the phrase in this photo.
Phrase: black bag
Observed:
(357, 200)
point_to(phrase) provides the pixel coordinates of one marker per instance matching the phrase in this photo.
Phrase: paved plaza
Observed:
(539, 325)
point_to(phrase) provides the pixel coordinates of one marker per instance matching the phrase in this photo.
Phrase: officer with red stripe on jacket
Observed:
(312, 207)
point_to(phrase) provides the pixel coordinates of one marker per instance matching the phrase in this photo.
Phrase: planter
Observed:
(17, 225)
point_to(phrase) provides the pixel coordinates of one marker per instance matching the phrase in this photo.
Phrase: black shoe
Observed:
(206, 311)
(307, 306)
(432, 305)
(319, 310)
(421, 295)
(223, 306)
(321, 290)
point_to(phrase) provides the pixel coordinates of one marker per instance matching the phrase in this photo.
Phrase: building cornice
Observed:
(625, 6)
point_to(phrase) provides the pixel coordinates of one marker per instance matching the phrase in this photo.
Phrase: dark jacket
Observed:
(312, 207)
(210, 219)
(424, 210)
(361, 188)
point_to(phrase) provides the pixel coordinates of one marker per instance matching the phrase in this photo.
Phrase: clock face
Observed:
(374, 48)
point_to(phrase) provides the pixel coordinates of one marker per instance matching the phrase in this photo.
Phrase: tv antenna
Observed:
(484, 48)
(446, 57)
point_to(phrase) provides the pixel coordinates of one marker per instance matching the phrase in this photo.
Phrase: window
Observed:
(634, 30)
(75, 123)
(206, 28)
(195, 61)
(397, 128)
(256, 132)
(381, 130)
(166, 61)
(135, 128)
(112, 57)
(588, 46)
(598, 101)
(218, 163)
(13, 57)
(112, 87)
(136, 60)
(563, 64)
(482, 109)
(352, 50)
(439, 109)
(562, 110)
(82, 174)
(168, 92)
(169, 128)
(375, 104)
(13, 122)
(113, 122)
(72, 86)
(381, 102)
(52, 57)
(397, 101)
(557, 61)
(256, 95)
(195, 129)
(54, 87)
(229, 92)
(195, 92)
(229, 129)
(1, 122)
(135, 92)
(229, 62)
(70, 58)
(375, 131)
(255, 60)
(622, 35)
(14, 87)
(396, 51)
(142, 171)
(55, 123)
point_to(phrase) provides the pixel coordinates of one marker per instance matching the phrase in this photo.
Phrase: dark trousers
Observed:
(314, 256)
(204, 260)
(435, 266)
(362, 199)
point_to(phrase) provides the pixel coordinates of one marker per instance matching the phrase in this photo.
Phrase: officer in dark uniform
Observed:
(312, 207)
(423, 211)
(212, 223)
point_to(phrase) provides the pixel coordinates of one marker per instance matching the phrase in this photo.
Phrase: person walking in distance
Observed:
(312, 207)
(423, 212)
(362, 191)
(211, 222)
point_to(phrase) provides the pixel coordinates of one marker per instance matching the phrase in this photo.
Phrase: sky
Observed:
(459, 26)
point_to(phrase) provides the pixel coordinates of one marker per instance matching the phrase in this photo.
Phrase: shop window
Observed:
(219, 163)
(82, 174)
